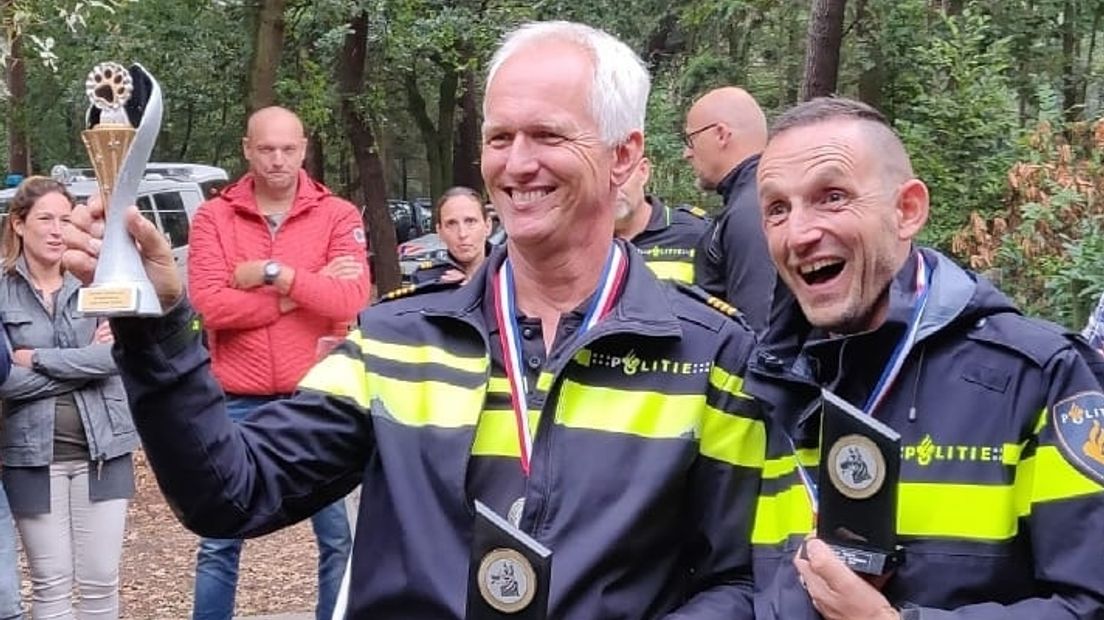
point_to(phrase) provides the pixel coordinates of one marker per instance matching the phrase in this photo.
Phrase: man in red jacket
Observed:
(276, 264)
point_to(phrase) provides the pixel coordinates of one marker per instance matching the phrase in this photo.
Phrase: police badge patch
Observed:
(1079, 423)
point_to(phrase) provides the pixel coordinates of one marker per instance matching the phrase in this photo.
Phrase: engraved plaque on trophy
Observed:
(123, 120)
(509, 572)
(860, 463)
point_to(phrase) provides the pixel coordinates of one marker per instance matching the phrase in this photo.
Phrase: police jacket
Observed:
(670, 240)
(1000, 503)
(644, 472)
(431, 270)
(732, 261)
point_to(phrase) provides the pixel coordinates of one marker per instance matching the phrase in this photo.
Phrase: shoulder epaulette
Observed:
(409, 290)
(695, 211)
(712, 301)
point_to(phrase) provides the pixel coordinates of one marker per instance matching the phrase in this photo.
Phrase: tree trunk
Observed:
(872, 78)
(822, 48)
(791, 77)
(182, 154)
(19, 148)
(268, 41)
(377, 218)
(1098, 12)
(437, 137)
(465, 159)
(447, 100)
(316, 157)
(1071, 88)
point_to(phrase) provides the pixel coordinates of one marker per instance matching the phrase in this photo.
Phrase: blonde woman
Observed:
(67, 436)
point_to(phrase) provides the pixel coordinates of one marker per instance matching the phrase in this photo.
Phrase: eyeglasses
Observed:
(688, 138)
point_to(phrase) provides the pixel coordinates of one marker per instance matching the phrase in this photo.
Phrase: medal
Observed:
(507, 580)
(508, 333)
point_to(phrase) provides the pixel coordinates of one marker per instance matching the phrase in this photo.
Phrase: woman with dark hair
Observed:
(67, 437)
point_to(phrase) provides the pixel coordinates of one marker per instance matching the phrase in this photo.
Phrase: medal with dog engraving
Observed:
(507, 580)
(509, 572)
(859, 467)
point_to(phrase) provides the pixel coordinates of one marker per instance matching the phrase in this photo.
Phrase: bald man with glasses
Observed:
(724, 133)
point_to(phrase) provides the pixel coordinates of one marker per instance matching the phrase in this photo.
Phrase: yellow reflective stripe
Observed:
(496, 433)
(733, 439)
(647, 414)
(544, 381)
(428, 403)
(783, 466)
(410, 354)
(1048, 476)
(1041, 422)
(339, 375)
(981, 512)
(1010, 453)
(777, 517)
(727, 382)
(671, 270)
(498, 385)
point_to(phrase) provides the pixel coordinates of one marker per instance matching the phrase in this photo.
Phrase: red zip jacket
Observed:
(254, 348)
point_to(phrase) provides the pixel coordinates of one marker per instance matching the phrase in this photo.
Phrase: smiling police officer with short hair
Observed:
(946, 360)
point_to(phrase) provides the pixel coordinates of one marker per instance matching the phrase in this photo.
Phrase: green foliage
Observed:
(664, 147)
(960, 123)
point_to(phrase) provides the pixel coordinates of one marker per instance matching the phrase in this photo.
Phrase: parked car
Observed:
(168, 196)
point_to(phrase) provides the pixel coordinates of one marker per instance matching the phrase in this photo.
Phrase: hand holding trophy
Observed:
(124, 119)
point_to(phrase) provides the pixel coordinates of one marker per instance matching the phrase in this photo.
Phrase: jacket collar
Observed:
(242, 198)
(661, 214)
(738, 177)
(790, 339)
(69, 282)
(637, 309)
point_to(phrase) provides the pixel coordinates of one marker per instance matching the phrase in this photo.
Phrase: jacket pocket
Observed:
(118, 415)
(18, 325)
(15, 429)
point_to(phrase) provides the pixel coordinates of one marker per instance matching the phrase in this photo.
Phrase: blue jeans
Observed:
(10, 607)
(217, 560)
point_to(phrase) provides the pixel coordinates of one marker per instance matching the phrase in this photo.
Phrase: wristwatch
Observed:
(271, 271)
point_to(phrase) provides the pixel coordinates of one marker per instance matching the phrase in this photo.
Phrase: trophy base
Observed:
(117, 299)
(867, 561)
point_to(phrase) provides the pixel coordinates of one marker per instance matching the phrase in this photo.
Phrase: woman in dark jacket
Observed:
(67, 436)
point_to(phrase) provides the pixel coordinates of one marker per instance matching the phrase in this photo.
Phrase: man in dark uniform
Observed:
(463, 224)
(1000, 497)
(565, 387)
(666, 237)
(725, 132)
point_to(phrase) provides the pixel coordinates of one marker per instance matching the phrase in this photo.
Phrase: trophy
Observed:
(123, 120)
(860, 464)
(509, 572)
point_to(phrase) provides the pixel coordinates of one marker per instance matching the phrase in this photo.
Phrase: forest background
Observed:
(999, 102)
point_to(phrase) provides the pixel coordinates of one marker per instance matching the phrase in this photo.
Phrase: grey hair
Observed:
(619, 88)
(823, 109)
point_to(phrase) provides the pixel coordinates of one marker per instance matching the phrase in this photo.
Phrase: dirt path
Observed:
(278, 572)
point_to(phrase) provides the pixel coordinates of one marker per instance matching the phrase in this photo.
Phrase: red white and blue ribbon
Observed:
(509, 335)
(889, 373)
(897, 360)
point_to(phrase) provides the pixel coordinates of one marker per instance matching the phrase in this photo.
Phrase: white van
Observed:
(168, 196)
